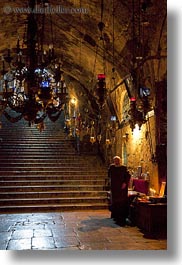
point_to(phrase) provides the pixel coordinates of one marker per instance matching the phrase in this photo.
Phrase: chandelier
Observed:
(139, 93)
(32, 85)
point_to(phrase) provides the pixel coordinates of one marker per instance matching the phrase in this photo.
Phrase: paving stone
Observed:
(42, 233)
(19, 244)
(20, 234)
(92, 230)
(45, 243)
(67, 242)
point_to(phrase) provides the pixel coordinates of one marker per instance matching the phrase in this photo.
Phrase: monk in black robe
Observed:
(119, 178)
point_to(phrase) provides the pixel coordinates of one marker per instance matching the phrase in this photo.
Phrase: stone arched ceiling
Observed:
(77, 38)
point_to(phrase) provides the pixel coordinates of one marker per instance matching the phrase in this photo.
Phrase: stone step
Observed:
(44, 150)
(46, 166)
(43, 171)
(8, 160)
(52, 207)
(55, 162)
(58, 168)
(48, 178)
(36, 139)
(8, 145)
(51, 188)
(28, 154)
(66, 157)
(48, 149)
(50, 172)
(60, 164)
(32, 146)
(42, 159)
(49, 194)
(52, 182)
(53, 201)
(56, 130)
(25, 132)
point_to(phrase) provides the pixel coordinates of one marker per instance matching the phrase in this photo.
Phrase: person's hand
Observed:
(123, 186)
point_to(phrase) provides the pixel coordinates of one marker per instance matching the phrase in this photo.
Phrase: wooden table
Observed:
(151, 218)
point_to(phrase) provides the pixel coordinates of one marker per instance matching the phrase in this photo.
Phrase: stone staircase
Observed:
(43, 171)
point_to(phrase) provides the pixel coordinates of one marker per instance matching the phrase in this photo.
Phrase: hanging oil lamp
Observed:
(99, 137)
(108, 140)
(92, 133)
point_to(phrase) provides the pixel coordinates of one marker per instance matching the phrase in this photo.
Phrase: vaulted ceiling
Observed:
(84, 50)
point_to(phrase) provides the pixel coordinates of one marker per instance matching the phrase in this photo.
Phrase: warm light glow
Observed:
(73, 101)
(152, 192)
(101, 76)
(68, 122)
(92, 139)
(136, 132)
(108, 141)
(162, 189)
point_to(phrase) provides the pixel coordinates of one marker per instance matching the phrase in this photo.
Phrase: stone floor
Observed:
(83, 230)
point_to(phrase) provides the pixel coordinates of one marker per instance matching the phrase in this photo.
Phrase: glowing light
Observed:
(92, 139)
(108, 141)
(73, 101)
(136, 132)
(101, 76)
(152, 192)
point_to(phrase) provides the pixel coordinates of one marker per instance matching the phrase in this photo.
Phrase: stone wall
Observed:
(137, 149)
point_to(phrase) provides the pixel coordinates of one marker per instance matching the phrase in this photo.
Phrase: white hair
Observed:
(116, 157)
